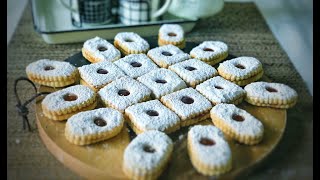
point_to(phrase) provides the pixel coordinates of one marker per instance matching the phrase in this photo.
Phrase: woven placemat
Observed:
(245, 31)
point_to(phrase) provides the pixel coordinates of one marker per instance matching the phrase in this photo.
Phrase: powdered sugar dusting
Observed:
(89, 73)
(166, 29)
(61, 68)
(137, 90)
(250, 65)
(218, 48)
(259, 90)
(110, 54)
(215, 155)
(202, 71)
(136, 158)
(56, 102)
(173, 82)
(164, 120)
(250, 126)
(146, 65)
(177, 55)
(82, 124)
(200, 104)
(138, 44)
(211, 89)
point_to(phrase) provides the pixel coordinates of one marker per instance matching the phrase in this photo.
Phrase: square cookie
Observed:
(162, 81)
(218, 90)
(189, 104)
(194, 71)
(123, 93)
(135, 65)
(98, 75)
(152, 115)
(167, 55)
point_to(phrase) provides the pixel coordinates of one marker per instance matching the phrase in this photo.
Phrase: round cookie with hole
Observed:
(135, 65)
(93, 126)
(194, 71)
(152, 115)
(97, 75)
(52, 73)
(241, 70)
(62, 104)
(171, 34)
(189, 105)
(147, 155)
(274, 95)
(210, 52)
(167, 55)
(237, 123)
(131, 43)
(162, 81)
(208, 150)
(98, 49)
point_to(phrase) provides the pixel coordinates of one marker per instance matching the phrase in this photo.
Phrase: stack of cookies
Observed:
(156, 92)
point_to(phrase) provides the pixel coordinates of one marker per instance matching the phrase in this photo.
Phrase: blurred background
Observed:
(291, 22)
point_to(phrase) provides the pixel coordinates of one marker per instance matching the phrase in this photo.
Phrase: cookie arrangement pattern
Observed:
(159, 93)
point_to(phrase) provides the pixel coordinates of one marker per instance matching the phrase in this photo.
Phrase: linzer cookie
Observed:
(98, 75)
(123, 93)
(275, 95)
(241, 70)
(98, 49)
(219, 90)
(210, 52)
(152, 115)
(52, 73)
(208, 150)
(93, 126)
(135, 65)
(62, 104)
(189, 104)
(194, 71)
(171, 34)
(147, 155)
(237, 123)
(167, 55)
(162, 81)
(131, 43)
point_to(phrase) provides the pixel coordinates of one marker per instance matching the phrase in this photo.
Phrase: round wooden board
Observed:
(104, 160)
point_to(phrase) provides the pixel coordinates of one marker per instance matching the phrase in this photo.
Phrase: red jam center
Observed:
(152, 113)
(237, 117)
(148, 149)
(240, 66)
(166, 53)
(187, 100)
(70, 97)
(218, 87)
(207, 142)
(123, 92)
(189, 68)
(101, 48)
(135, 64)
(100, 122)
(172, 34)
(270, 89)
(207, 49)
(161, 81)
(102, 71)
(48, 68)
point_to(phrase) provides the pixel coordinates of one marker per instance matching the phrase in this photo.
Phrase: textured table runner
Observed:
(245, 31)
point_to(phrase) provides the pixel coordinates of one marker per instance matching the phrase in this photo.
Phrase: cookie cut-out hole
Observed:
(240, 66)
(123, 92)
(161, 81)
(166, 53)
(128, 40)
(102, 48)
(270, 89)
(70, 97)
(187, 100)
(172, 34)
(237, 117)
(152, 113)
(100, 122)
(189, 68)
(218, 87)
(148, 149)
(208, 49)
(48, 68)
(102, 71)
(207, 142)
(135, 64)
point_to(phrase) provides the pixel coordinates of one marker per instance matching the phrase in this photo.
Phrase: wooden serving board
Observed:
(103, 160)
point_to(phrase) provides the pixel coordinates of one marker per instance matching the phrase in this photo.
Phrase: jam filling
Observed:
(270, 89)
(70, 97)
(48, 68)
(123, 92)
(240, 66)
(172, 34)
(187, 100)
(102, 48)
(207, 49)
(218, 87)
(152, 113)
(189, 68)
(135, 64)
(161, 81)
(237, 117)
(102, 71)
(100, 122)
(207, 142)
(148, 149)
(166, 53)
(128, 40)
